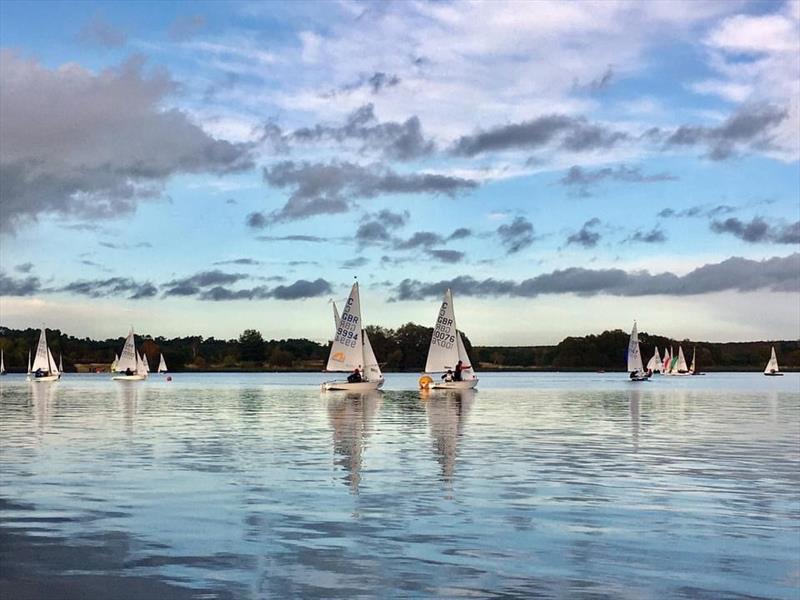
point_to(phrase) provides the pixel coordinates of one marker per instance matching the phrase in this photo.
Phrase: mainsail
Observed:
(667, 360)
(681, 367)
(144, 363)
(654, 364)
(2, 363)
(347, 351)
(772, 365)
(694, 359)
(443, 351)
(162, 365)
(634, 354)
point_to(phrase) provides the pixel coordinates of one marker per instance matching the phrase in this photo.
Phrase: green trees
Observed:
(251, 345)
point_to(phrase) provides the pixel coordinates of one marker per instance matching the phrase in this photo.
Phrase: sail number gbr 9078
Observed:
(444, 333)
(348, 331)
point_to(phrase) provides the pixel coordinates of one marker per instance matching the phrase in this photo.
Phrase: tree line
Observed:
(401, 349)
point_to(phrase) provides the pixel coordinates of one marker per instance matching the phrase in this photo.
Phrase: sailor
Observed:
(355, 376)
(448, 377)
(459, 368)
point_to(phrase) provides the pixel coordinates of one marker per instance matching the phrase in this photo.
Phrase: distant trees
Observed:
(404, 349)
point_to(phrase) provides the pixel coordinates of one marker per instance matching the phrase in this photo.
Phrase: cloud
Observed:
(292, 238)
(394, 141)
(574, 134)
(189, 286)
(697, 211)
(99, 32)
(256, 220)
(516, 236)
(239, 261)
(375, 228)
(654, 236)
(113, 286)
(24, 267)
(302, 288)
(583, 179)
(421, 239)
(376, 82)
(779, 274)
(446, 256)
(124, 246)
(319, 188)
(354, 263)
(460, 234)
(758, 230)
(11, 286)
(186, 27)
(65, 157)
(585, 236)
(748, 128)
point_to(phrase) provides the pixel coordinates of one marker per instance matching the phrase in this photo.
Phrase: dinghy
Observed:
(654, 364)
(446, 350)
(115, 363)
(2, 363)
(635, 367)
(44, 365)
(129, 361)
(772, 369)
(162, 365)
(351, 350)
(678, 367)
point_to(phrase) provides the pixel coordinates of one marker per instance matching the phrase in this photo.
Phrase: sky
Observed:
(565, 167)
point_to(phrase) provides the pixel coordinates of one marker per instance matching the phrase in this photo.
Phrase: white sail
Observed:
(54, 370)
(654, 364)
(443, 351)
(693, 366)
(114, 364)
(143, 362)
(61, 363)
(634, 354)
(42, 359)
(128, 359)
(772, 365)
(335, 315)
(467, 372)
(347, 351)
(29, 362)
(2, 362)
(681, 367)
(162, 365)
(372, 371)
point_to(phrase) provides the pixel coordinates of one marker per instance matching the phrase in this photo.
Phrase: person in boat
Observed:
(38, 373)
(355, 376)
(457, 374)
(128, 372)
(448, 377)
(634, 374)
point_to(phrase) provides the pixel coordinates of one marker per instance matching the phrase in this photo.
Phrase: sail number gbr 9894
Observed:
(349, 329)
(444, 333)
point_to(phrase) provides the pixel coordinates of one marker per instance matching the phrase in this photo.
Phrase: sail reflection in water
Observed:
(447, 414)
(352, 416)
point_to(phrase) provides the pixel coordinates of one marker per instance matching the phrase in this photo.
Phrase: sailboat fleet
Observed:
(447, 366)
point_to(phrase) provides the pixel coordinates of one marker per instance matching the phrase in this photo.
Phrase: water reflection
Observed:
(129, 395)
(634, 402)
(42, 398)
(351, 416)
(447, 414)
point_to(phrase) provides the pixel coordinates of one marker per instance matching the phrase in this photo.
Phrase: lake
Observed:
(542, 485)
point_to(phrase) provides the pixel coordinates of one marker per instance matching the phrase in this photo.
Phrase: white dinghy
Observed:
(162, 365)
(44, 365)
(2, 363)
(772, 369)
(635, 367)
(129, 366)
(351, 350)
(446, 351)
(678, 367)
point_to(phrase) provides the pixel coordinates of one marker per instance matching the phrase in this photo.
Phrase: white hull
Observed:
(44, 379)
(129, 377)
(678, 374)
(455, 385)
(363, 386)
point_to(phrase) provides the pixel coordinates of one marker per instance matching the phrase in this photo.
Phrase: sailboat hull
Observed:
(44, 379)
(129, 377)
(467, 384)
(773, 374)
(361, 386)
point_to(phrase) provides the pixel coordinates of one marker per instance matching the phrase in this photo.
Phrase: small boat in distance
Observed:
(446, 351)
(772, 369)
(44, 365)
(129, 367)
(351, 350)
(2, 363)
(162, 365)
(654, 364)
(635, 367)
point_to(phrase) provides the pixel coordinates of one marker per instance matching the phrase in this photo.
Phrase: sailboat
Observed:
(115, 363)
(654, 364)
(678, 366)
(162, 365)
(2, 363)
(60, 362)
(667, 361)
(446, 350)
(44, 365)
(129, 366)
(635, 367)
(772, 369)
(693, 367)
(351, 350)
(145, 364)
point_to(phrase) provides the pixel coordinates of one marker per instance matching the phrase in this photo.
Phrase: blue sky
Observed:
(202, 168)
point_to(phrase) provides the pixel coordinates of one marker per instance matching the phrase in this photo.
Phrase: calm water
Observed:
(258, 486)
